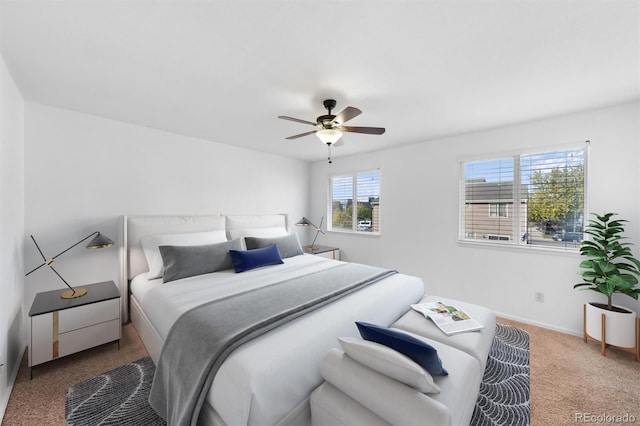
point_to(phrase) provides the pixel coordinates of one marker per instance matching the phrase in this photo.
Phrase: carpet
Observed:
(120, 396)
(117, 397)
(504, 391)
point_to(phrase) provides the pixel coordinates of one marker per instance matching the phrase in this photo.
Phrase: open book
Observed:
(448, 318)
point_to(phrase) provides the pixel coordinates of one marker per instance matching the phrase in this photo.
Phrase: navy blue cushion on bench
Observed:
(419, 351)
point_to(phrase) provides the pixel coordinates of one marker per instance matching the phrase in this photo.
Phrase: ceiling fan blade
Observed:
(367, 130)
(297, 120)
(301, 135)
(347, 114)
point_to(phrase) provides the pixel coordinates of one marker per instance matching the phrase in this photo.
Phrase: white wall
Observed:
(419, 213)
(84, 172)
(12, 328)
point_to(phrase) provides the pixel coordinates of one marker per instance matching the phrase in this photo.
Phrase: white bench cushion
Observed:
(331, 407)
(394, 402)
(459, 390)
(475, 343)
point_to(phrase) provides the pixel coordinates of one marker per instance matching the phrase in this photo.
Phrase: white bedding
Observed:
(269, 379)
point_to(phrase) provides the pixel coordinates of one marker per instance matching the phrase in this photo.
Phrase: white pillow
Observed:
(390, 363)
(150, 244)
(274, 231)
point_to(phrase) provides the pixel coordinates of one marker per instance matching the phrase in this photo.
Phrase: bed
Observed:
(269, 379)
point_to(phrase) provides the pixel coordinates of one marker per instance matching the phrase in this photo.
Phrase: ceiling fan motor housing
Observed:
(326, 121)
(329, 104)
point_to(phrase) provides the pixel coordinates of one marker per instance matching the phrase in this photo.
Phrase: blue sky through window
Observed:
(501, 170)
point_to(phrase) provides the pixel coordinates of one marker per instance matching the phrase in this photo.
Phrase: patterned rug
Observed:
(119, 397)
(504, 391)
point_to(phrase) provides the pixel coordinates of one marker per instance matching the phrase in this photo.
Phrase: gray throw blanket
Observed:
(204, 336)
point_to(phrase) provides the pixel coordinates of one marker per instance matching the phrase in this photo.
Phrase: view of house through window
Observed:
(532, 199)
(364, 188)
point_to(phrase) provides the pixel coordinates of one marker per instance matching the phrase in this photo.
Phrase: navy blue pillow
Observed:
(421, 352)
(243, 260)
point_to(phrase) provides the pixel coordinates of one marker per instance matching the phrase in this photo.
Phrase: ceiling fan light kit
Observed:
(329, 127)
(329, 136)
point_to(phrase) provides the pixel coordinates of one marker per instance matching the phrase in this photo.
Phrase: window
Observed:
(498, 209)
(364, 188)
(525, 199)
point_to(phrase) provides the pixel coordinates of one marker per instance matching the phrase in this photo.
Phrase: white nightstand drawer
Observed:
(88, 337)
(84, 316)
(60, 327)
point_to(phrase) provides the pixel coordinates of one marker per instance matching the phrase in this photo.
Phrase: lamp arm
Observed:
(318, 232)
(63, 280)
(319, 227)
(315, 238)
(41, 254)
(35, 269)
(49, 261)
(79, 242)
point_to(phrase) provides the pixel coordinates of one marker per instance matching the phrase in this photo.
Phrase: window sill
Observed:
(360, 234)
(522, 247)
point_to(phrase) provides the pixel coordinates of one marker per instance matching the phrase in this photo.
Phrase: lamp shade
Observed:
(304, 222)
(329, 136)
(100, 241)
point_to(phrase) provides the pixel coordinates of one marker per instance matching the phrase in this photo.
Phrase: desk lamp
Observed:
(98, 241)
(306, 222)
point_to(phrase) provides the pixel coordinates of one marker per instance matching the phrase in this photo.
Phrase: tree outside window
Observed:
(364, 188)
(544, 207)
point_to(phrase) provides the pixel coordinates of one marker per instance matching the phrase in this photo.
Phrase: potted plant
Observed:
(609, 268)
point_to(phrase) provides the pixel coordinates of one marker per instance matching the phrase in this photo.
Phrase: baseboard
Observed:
(14, 374)
(577, 333)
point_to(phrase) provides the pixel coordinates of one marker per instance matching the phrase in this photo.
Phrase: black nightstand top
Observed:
(319, 249)
(50, 301)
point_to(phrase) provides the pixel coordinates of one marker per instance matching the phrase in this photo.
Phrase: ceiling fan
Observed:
(329, 127)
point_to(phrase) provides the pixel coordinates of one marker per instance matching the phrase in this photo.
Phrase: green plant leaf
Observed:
(610, 266)
(633, 260)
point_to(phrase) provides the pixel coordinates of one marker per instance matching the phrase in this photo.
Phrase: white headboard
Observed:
(133, 261)
(137, 227)
(269, 225)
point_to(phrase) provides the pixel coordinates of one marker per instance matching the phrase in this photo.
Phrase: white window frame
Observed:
(498, 210)
(354, 214)
(466, 237)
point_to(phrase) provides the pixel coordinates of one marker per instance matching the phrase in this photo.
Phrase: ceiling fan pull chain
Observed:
(329, 149)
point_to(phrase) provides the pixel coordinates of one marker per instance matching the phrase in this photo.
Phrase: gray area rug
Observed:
(117, 397)
(504, 391)
(120, 396)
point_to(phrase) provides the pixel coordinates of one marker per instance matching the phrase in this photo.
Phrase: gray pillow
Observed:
(188, 261)
(288, 246)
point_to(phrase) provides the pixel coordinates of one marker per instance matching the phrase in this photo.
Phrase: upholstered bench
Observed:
(475, 343)
(354, 394)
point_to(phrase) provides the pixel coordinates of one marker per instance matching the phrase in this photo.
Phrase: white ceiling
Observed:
(223, 70)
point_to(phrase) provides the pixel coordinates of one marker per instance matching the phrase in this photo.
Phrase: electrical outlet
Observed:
(539, 296)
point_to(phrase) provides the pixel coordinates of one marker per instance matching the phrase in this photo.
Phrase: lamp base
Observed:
(70, 294)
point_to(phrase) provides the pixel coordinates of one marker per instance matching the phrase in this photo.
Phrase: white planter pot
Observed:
(620, 328)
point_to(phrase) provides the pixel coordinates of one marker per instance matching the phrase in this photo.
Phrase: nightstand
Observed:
(61, 327)
(324, 251)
